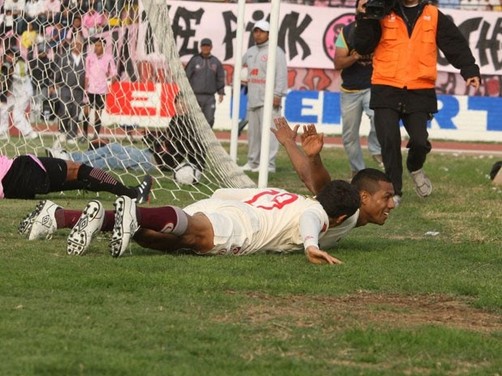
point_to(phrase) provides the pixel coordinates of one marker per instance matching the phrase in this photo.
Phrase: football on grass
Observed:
(186, 173)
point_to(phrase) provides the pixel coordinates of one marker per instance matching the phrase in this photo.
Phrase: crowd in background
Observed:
(41, 33)
(49, 26)
(34, 25)
(452, 4)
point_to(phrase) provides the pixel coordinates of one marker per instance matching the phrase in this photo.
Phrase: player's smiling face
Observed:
(377, 206)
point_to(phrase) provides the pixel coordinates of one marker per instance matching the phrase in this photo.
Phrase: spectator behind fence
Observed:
(207, 78)
(29, 36)
(69, 82)
(52, 10)
(100, 69)
(93, 22)
(15, 9)
(34, 10)
(15, 96)
(255, 59)
(42, 76)
(75, 31)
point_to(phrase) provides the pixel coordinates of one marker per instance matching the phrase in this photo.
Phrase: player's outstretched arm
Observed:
(312, 143)
(317, 256)
(308, 167)
(287, 138)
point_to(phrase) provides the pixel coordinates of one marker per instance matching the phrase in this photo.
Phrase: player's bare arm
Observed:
(312, 143)
(287, 138)
(317, 256)
(283, 132)
(307, 163)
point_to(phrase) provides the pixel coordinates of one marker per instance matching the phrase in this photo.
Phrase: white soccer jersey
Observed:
(256, 220)
(334, 234)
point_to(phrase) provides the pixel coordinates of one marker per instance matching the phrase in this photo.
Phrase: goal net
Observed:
(150, 122)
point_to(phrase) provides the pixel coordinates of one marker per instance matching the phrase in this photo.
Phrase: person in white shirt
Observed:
(35, 10)
(16, 6)
(16, 76)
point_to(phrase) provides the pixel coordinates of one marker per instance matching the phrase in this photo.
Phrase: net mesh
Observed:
(150, 123)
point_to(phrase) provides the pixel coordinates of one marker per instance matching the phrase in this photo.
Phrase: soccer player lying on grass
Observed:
(233, 221)
(26, 176)
(374, 186)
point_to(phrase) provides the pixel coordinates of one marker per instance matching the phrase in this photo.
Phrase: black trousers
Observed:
(387, 125)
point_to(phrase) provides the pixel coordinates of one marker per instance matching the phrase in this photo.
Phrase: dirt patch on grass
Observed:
(365, 309)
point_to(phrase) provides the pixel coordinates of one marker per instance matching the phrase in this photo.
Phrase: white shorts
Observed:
(234, 224)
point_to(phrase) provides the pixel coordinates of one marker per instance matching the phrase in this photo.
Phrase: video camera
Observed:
(378, 9)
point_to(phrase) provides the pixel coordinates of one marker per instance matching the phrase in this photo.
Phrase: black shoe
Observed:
(144, 189)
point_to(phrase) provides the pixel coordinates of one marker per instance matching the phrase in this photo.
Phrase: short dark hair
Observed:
(368, 179)
(339, 197)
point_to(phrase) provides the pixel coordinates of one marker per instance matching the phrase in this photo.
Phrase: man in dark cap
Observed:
(207, 77)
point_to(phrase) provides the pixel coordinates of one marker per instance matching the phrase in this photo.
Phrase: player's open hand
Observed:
(361, 6)
(317, 256)
(474, 82)
(283, 132)
(312, 142)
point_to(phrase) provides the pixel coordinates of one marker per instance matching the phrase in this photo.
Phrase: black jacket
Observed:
(448, 39)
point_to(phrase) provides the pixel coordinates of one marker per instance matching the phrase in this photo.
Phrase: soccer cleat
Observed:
(41, 222)
(24, 227)
(423, 185)
(126, 225)
(88, 224)
(144, 189)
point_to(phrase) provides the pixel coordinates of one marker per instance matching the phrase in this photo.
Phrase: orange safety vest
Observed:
(403, 61)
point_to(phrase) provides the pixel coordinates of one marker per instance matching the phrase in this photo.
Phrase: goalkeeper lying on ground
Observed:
(166, 148)
(26, 176)
(160, 153)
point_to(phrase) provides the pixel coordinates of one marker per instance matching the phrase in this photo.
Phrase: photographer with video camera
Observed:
(404, 36)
